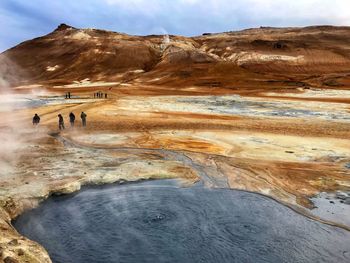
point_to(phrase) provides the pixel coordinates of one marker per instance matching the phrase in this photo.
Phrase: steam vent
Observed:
(221, 147)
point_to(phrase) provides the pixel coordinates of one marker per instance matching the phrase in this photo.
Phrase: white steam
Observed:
(14, 131)
(166, 39)
(10, 141)
(165, 42)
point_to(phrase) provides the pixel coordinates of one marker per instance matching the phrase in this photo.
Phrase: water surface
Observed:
(160, 222)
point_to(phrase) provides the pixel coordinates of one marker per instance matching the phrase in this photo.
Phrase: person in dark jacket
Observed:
(36, 119)
(83, 118)
(60, 122)
(71, 119)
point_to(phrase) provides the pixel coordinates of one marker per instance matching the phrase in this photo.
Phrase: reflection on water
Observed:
(160, 222)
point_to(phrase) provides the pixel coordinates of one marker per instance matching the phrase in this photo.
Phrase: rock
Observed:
(63, 27)
(10, 260)
(20, 252)
(13, 242)
(347, 201)
(341, 196)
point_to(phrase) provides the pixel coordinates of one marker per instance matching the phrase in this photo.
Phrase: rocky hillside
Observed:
(317, 56)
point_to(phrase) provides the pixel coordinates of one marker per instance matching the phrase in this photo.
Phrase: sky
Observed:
(26, 19)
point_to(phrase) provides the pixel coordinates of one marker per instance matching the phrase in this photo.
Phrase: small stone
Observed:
(10, 260)
(13, 242)
(347, 201)
(20, 252)
(341, 196)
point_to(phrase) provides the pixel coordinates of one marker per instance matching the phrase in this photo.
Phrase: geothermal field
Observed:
(230, 147)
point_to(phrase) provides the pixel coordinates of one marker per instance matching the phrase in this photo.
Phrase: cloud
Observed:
(23, 19)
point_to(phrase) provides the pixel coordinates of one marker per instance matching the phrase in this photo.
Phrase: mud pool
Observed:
(160, 221)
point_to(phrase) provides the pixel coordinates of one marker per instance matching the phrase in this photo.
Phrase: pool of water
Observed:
(158, 221)
(12, 102)
(238, 105)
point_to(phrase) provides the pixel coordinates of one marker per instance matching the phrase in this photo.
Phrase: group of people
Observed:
(36, 120)
(100, 95)
(68, 95)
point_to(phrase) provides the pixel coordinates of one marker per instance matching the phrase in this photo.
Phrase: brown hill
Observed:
(253, 58)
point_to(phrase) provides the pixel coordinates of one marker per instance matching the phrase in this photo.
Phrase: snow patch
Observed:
(87, 83)
(137, 71)
(50, 68)
(80, 36)
(246, 57)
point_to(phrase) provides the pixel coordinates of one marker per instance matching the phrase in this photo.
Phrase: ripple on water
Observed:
(157, 221)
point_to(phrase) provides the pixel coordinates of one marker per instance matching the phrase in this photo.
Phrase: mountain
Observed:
(264, 57)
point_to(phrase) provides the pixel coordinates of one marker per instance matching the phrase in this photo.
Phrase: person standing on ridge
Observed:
(36, 119)
(71, 119)
(60, 122)
(83, 118)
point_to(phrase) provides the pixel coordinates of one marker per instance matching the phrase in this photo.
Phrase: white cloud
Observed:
(336, 11)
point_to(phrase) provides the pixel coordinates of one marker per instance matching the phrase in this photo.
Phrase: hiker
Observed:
(71, 119)
(36, 119)
(60, 122)
(105, 95)
(83, 118)
(68, 95)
